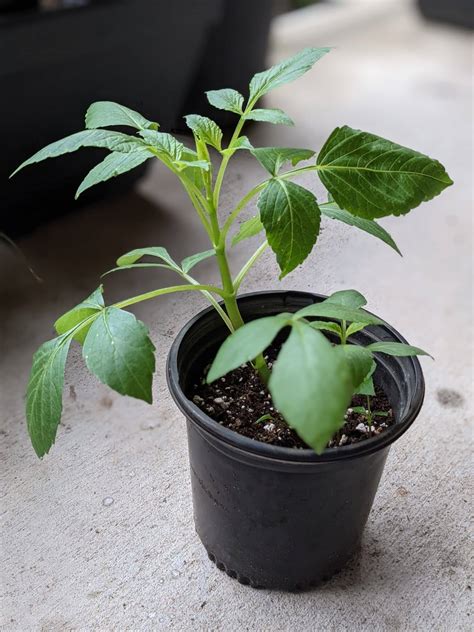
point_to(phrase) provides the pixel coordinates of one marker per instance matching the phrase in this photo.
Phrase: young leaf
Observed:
(131, 257)
(284, 72)
(247, 229)
(367, 386)
(189, 263)
(373, 177)
(192, 164)
(205, 129)
(44, 393)
(273, 158)
(354, 328)
(245, 344)
(311, 385)
(360, 363)
(114, 141)
(290, 215)
(326, 326)
(242, 142)
(119, 352)
(91, 306)
(327, 309)
(396, 349)
(267, 115)
(108, 113)
(332, 210)
(164, 143)
(348, 298)
(113, 165)
(193, 174)
(226, 99)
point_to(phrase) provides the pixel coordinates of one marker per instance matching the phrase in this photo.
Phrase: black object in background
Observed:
(460, 12)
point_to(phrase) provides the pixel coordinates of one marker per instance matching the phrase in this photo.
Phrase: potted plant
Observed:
(292, 399)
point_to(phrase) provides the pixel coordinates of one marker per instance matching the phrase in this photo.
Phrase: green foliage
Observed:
(290, 215)
(372, 177)
(313, 379)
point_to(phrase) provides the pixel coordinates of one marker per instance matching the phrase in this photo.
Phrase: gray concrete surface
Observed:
(71, 561)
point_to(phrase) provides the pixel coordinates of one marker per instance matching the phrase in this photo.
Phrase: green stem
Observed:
(241, 275)
(240, 207)
(167, 290)
(343, 332)
(369, 412)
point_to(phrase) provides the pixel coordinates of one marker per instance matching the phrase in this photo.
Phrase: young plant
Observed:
(366, 176)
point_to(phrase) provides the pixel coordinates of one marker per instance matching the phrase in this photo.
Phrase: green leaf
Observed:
(291, 218)
(273, 158)
(348, 298)
(284, 72)
(247, 229)
(165, 144)
(396, 349)
(119, 352)
(326, 326)
(332, 210)
(354, 328)
(114, 141)
(245, 344)
(113, 165)
(193, 164)
(226, 99)
(107, 113)
(311, 385)
(372, 177)
(360, 363)
(239, 143)
(189, 263)
(92, 305)
(205, 129)
(195, 175)
(131, 257)
(327, 309)
(270, 115)
(44, 393)
(367, 386)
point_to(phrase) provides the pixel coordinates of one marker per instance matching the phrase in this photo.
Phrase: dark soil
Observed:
(239, 401)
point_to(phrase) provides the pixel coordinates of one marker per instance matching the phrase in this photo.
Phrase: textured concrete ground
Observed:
(99, 535)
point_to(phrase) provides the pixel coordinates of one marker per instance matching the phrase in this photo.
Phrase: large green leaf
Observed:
(373, 177)
(247, 229)
(226, 99)
(113, 165)
(273, 158)
(245, 344)
(332, 210)
(348, 298)
(44, 393)
(91, 306)
(396, 349)
(165, 144)
(284, 72)
(291, 218)
(106, 139)
(119, 352)
(189, 263)
(327, 309)
(159, 252)
(205, 129)
(107, 113)
(311, 385)
(267, 115)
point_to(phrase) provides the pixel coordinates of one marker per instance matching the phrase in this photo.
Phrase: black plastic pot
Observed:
(279, 517)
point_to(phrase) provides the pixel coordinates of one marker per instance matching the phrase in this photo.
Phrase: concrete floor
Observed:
(71, 561)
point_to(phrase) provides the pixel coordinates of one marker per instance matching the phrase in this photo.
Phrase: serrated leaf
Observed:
(92, 305)
(348, 298)
(284, 72)
(245, 344)
(360, 363)
(44, 393)
(327, 309)
(226, 99)
(396, 349)
(107, 113)
(131, 257)
(205, 129)
(311, 385)
(326, 326)
(195, 175)
(119, 352)
(370, 176)
(270, 115)
(113, 165)
(114, 141)
(247, 229)
(273, 158)
(189, 263)
(332, 210)
(291, 218)
(164, 143)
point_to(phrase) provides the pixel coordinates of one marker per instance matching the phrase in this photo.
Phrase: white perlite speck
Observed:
(361, 427)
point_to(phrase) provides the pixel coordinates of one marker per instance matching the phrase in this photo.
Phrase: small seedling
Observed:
(367, 177)
(368, 413)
